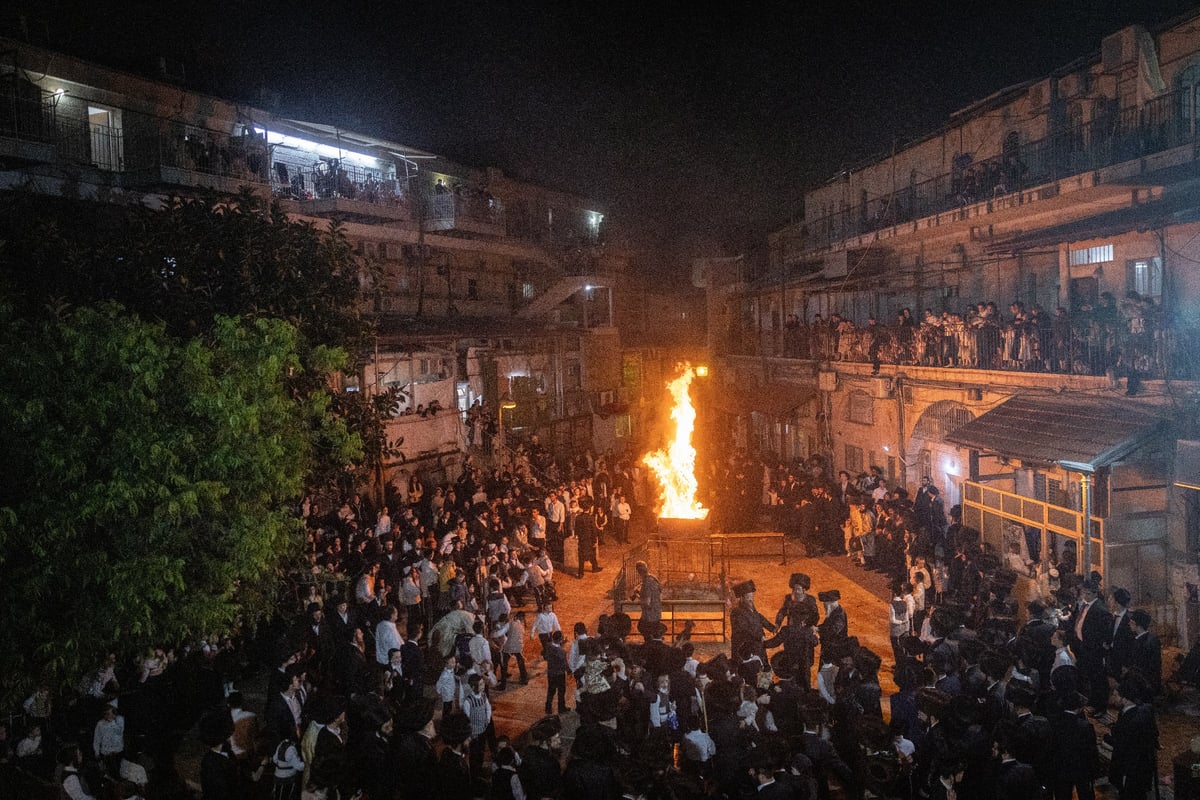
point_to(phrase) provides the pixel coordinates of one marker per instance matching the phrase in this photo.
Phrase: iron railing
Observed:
(1111, 138)
(1146, 345)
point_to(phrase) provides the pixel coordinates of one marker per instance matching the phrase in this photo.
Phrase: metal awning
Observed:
(772, 399)
(1077, 433)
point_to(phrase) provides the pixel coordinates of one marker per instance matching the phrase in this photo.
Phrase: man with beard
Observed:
(835, 628)
(745, 623)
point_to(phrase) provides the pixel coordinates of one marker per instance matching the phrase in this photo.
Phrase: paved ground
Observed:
(864, 596)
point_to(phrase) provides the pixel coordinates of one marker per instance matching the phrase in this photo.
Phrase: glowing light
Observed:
(675, 466)
(887, 449)
(59, 92)
(950, 467)
(701, 371)
(327, 151)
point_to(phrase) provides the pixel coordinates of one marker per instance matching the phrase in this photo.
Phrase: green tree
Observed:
(146, 494)
(194, 259)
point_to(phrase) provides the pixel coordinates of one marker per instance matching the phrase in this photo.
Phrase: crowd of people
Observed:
(408, 627)
(1126, 337)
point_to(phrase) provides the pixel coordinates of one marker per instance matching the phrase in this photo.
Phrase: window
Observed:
(624, 426)
(527, 291)
(1144, 276)
(472, 289)
(854, 459)
(1100, 254)
(860, 408)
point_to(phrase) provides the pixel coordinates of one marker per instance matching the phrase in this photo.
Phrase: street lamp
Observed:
(506, 403)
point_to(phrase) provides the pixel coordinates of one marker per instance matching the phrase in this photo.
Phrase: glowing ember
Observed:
(675, 466)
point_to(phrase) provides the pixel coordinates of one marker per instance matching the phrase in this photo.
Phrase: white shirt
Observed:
(480, 649)
(109, 737)
(698, 746)
(73, 786)
(387, 637)
(544, 622)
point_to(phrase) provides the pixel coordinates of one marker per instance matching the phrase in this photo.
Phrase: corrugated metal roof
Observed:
(1080, 433)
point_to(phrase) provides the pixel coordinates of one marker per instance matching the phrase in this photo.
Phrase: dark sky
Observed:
(697, 125)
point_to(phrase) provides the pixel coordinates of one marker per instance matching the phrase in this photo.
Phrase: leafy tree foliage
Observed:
(147, 491)
(194, 259)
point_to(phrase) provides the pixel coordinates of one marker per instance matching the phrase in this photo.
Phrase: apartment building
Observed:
(482, 286)
(1060, 417)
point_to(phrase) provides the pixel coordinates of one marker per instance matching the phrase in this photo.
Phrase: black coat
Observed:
(1146, 657)
(1121, 647)
(1077, 753)
(219, 777)
(416, 761)
(586, 779)
(541, 773)
(835, 628)
(1017, 781)
(746, 627)
(1134, 750)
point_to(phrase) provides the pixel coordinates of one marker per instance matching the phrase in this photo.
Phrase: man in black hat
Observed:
(1078, 754)
(745, 623)
(414, 733)
(453, 774)
(798, 600)
(1091, 633)
(1145, 656)
(585, 529)
(835, 628)
(1134, 739)
(1122, 635)
(540, 768)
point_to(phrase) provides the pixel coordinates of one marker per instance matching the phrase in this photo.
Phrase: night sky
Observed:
(698, 130)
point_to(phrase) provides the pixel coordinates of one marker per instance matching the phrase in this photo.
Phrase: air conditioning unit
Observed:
(881, 387)
(827, 381)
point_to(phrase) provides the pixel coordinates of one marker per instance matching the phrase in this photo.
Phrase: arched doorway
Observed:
(930, 454)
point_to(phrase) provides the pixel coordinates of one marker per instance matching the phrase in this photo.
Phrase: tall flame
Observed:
(675, 467)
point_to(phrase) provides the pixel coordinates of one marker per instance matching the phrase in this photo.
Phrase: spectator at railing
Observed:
(1129, 340)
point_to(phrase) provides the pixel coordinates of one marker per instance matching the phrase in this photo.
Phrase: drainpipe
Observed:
(902, 451)
(1085, 500)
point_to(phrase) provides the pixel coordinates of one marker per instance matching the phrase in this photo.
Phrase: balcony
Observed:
(1127, 342)
(179, 155)
(341, 191)
(465, 211)
(27, 130)
(1008, 180)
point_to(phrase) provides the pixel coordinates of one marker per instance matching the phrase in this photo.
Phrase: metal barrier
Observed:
(986, 508)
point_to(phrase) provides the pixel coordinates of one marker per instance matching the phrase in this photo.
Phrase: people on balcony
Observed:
(1129, 339)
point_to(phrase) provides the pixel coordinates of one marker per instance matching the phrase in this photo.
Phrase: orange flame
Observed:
(675, 467)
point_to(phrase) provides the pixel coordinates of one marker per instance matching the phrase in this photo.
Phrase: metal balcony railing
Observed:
(1112, 138)
(333, 180)
(1083, 343)
(455, 205)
